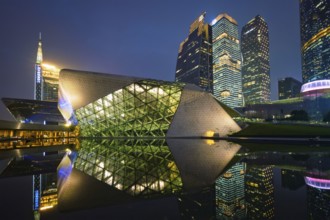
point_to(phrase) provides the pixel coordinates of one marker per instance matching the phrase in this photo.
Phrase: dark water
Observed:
(167, 179)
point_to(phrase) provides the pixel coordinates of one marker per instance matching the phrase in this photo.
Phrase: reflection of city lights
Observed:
(317, 183)
(209, 142)
(46, 207)
(68, 151)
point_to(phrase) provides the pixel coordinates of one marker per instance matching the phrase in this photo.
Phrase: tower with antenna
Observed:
(38, 72)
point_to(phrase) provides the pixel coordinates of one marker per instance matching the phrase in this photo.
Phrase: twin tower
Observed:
(213, 58)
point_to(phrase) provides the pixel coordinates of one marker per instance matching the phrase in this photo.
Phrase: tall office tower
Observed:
(229, 192)
(255, 69)
(288, 87)
(50, 76)
(259, 192)
(46, 78)
(38, 73)
(227, 77)
(194, 64)
(315, 39)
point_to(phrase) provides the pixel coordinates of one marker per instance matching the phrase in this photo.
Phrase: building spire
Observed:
(39, 54)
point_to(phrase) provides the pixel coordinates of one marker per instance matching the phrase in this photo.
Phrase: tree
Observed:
(299, 115)
(326, 117)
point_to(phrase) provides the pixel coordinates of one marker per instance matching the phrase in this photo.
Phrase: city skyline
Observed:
(127, 38)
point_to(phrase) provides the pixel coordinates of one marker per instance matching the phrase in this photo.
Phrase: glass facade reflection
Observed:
(230, 193)
(259, 192)
(234, 181)
(143, 168)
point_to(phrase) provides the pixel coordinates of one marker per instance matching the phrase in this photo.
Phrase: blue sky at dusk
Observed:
(128, 37)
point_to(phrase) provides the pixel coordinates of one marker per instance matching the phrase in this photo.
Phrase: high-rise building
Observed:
(194, 63)
(38, 73)
(288, 88)
(227, 77)
(46, 78)
(315, 39)
(50, 75)
(255, 69)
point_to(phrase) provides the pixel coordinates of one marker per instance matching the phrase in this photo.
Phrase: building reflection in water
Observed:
(318, 187)
(259, 192)
(230, 193)
(217, 180)
(138, 167)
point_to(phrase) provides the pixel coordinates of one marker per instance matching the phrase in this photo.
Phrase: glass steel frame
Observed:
(139, 167)
(142, 109)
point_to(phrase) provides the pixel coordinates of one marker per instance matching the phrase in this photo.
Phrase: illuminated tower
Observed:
(50, 75)
(259, 192)
(194, 64)
(38, 73)
(315, 39)
(230, 195)
(227, 77)
(255, 69)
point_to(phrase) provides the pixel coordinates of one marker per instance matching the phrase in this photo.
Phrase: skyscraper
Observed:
(288, 88)
(315, 39)
(46, 78)
(194, 63)
(38, 73)
(50, 75)
(255, 69)
(227, 77)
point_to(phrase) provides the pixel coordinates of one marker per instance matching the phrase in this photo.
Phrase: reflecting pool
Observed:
(166, 179)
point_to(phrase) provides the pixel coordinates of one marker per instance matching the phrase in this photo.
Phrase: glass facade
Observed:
(144, 108)
(315, 39)
(194, 63)
(50, 75)
(140, 167)
(38, 73)
(227, 77)
(255, 69)
(288, 88)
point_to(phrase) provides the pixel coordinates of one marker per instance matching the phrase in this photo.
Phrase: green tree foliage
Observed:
(326, 117)
(299, 115)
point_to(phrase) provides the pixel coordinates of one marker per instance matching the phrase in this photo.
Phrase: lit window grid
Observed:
(227, 77)
(143, 168)
(145, 108)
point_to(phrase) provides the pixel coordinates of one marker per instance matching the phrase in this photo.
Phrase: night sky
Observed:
(128, 37)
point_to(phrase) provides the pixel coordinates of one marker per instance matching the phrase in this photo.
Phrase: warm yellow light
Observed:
(46, 207)
(68, 151)
(209, 133)
(68, 124)
(209, 141)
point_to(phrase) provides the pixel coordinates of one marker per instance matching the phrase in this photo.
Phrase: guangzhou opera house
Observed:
(107, 105)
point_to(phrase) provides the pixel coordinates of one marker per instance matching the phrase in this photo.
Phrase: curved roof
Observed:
(317, 183)
(315, 85)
